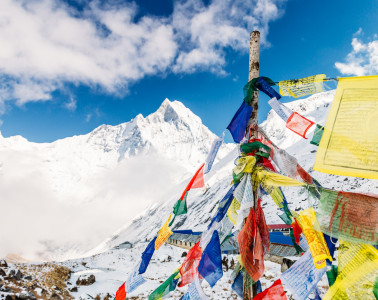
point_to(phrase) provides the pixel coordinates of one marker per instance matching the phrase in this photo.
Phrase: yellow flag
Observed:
(315, 239)
(271, 180)
(357, 272)
(164, 233)
(245, 164)
(232, 211)
(302, 87)
(349, 145)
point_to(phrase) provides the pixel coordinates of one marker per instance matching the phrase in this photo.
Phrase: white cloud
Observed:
(362, 60)
(46, 43)
(71, 104)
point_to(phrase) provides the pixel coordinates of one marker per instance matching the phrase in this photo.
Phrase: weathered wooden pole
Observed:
(254, 67)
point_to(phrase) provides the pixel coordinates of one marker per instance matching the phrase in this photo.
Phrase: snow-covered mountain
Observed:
(61, 190)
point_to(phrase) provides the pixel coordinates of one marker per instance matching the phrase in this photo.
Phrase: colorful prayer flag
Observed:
(281, 110)
(195, 292)
(318, 133)
(251, 248)
(299, 124)
(195, 183)
(166, 287)
(349, 216)
(164, 233)
(302, 87)
(302, 277)
(217, 143)
(135, 280)
(239, 122)
(266, 88)
(237, 285)
(189, 267)
(349, 143)
(357, 272)
(210, 266)
(275, 291)
(121, 293)
(146, 256)
(315, 239)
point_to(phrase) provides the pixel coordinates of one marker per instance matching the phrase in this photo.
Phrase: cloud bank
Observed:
(46, 44)
(362, 60)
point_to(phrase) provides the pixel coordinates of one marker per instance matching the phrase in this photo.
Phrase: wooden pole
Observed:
(254, 67)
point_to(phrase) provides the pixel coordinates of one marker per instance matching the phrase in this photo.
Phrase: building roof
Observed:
(278, 226)
(279, 238)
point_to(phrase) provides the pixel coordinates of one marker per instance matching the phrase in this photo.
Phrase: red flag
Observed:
(297, 230)
(121, 293)
(299, 124)
(275, 292)
(195, 183)
(189, 267)
(263, 228)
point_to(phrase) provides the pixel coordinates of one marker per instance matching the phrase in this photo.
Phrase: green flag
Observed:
(166, 287)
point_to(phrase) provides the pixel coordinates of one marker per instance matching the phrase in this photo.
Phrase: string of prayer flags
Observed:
(299, 124)
(166, 287)
(252, 86)
(275, 291)
(195, 183)
(267, 89)
(217, 143)
(134, 280)
(281, 110)
(146, 256)
(302, 87)
(318, 133)
(237, 285)
(121, 292)
(164, 233)
(251, 248)
(302, 277)
(195, 292)
(263, 228)
(349, 216)
(357, 272)
(349, 143)
(315, 239)
(210, 266)
(189, 267)
(239, 122)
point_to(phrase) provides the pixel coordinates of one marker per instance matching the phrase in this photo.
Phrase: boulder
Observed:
(86, 280)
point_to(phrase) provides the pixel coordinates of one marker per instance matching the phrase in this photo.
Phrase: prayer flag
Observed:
(357, 272)
(318, 133)
(349, 216)
(196, 182)
(281, 110)
(164, 233)
(135, 280)
(251, 248)
(315, 239)
(210, 266)
(302, 277)
(232, 211)
(217, 143)
(189, 267)
(239, 122)
(237, 285)
(349, 143)
(195, 292)
(166, 287)
(146, 256)
(302, 87)
(299, 124)
(266, 88)
(121, 293)
(263, 228)
(275, 291)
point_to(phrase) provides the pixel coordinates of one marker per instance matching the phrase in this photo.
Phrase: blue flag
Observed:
(263, 86)
(237, 286)
(239, 122)
(223, 206)
(146, 256)
(210, 266)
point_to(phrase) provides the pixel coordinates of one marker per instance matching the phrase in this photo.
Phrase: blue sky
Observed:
(70, 66)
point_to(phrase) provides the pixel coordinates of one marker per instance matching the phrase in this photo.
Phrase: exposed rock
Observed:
(184, 254)
(3, 263)
(2, 272)
(55, 297)
(86, 280)
(26, 296)
(74, 289)
(18, 275)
